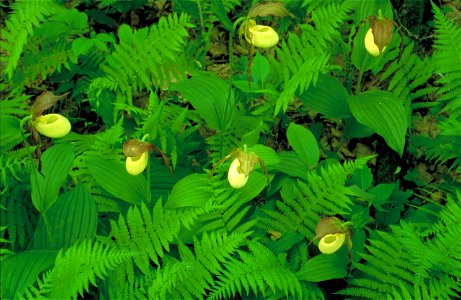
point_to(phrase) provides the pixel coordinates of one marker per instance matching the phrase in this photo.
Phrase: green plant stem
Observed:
(359, 83)
(45, 219)
(148, 193)
(231, 70)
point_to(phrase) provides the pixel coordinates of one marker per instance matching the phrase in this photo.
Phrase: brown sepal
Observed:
(263, 9)
(382, 31)
(46, 100)
(328, 225)
(135, 147)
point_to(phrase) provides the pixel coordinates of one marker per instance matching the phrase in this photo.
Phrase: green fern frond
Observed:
(20, 26)
(447, 57)
(76, 268)
(52, 58)
(192, 276)
(13, 165)
(146, 57)
(330, 17)
(304, 204)
(302, 60)
(14, 106)
(408, 75)
(150, 233)
(254, 272)
(440, 148)
(425, 265)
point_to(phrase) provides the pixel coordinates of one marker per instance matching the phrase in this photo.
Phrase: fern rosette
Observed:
(52, 125)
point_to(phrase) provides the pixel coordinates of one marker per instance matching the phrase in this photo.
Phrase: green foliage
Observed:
(323, 193)
(77, 267)
(145, 58)
(302, 60)
(427, 263)
(384, 113)
(193, 274)
(331, 16)
(299, 117)
(447, 56)
(20, 26)
(257, 271)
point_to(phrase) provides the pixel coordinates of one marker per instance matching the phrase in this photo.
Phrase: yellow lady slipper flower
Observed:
(370, 44)
(236, 177)
(330, 243)
(52, 125)
(137, 164)
(262, 36)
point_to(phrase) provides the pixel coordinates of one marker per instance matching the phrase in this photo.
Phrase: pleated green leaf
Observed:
(192, 190)
(21, 270)
(291, 164)
(384, 113)
(56, 164)
(324, 267)
(304, 143)
(266, 154)
(328, 97)
(112, 176)
(72, 218)
(209, 96)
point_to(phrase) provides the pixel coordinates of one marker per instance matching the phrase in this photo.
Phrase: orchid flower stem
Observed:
(47, 226)
(359, 83)
(45, 219)
(148, 193)
(231, 71)
(21, 128)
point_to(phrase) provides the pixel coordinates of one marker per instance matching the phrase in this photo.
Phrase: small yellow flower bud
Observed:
(262, 36)
(330, 243)
(237, 179)
(52, 125)
(137, 164)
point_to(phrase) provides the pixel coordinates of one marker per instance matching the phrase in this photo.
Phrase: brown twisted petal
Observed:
(46, 100)
(328, 225)
(382, 32)
(263, 9)
(135, 147)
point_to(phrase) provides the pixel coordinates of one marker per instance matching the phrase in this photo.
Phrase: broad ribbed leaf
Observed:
(304, 143)
(266, 154)
(384, 113)
(291, 164)
(56, 163)
(328, 97)
(256, 183)
(192, 190)
(209, 96)
(260, 69)
(112, 176)
(72, 218)
(21, 270)
(324, 267)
